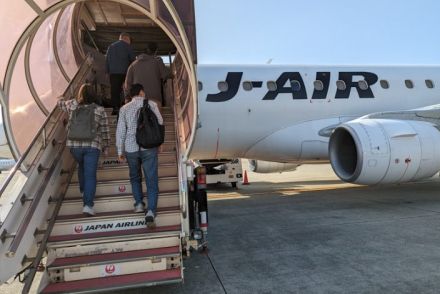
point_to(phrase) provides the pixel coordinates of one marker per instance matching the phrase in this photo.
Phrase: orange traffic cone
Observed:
(245, 178)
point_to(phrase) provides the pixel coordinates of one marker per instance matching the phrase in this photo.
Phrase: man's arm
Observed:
(155, 109)
(165, 72)
(121, 132)
(131, 55)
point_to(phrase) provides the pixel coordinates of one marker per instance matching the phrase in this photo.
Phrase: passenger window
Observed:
(409, 84)
(319, 85)
(363, 85)
(200, 86)
(272, 86)
(223, 86)
(296, 86)
(429, 84)
(341, 85)
(247, 86)
(384, 84)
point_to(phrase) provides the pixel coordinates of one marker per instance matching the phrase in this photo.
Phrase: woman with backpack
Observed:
(88, 135)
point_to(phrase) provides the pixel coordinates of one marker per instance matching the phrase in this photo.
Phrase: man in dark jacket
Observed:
(119, 57)
(149, 71)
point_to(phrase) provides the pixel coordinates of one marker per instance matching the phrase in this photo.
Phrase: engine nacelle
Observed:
(266, 167)
(380, 151)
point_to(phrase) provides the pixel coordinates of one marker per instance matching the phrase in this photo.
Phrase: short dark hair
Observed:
(136, 89)
(151, 48)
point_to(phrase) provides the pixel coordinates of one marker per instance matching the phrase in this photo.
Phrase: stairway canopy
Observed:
(45, 41)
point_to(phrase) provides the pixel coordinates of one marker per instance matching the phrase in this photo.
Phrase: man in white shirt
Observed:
(136, 155)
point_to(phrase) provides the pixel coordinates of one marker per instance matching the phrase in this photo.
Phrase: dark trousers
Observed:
(116, 83)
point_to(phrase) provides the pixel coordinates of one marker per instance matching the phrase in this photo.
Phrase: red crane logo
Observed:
(78, 229)
(110, 269)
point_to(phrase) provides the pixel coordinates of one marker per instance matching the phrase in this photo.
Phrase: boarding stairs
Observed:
(114, 249)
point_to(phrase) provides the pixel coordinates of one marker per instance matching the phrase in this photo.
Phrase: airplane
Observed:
(375, 125)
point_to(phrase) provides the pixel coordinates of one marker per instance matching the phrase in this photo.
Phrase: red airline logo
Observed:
(110, 269)
(122, 188)
(78, 229)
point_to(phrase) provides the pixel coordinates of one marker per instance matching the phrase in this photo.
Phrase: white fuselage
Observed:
(290, 127)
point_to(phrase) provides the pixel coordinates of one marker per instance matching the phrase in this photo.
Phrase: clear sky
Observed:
(318, 32)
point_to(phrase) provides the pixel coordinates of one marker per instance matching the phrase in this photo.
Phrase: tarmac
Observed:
(307, 232)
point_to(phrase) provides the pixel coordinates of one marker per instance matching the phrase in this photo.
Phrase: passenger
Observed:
(86, 152)
(119, 57)
(137, 156)
(149, 71)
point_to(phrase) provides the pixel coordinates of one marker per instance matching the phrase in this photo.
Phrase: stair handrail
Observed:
(180, 166)
(69, 92)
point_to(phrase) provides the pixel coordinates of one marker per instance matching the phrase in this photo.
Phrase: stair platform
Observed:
(116, 282)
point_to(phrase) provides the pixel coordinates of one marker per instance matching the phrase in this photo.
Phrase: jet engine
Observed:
(265, 167)
(380, 151)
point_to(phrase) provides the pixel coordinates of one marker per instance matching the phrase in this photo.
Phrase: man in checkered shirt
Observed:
(136, 155)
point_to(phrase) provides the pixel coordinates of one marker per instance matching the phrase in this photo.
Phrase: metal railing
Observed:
(26, 163)
(28, 157)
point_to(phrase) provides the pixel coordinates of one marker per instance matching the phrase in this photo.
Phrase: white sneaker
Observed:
(149, 219)
(139, 208)
(88, 210)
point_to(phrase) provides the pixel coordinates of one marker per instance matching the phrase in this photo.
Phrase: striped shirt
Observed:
(102, 139)
(127, 123)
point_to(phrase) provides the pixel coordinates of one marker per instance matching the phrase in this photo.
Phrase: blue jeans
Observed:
(87, 159)
(148, 160)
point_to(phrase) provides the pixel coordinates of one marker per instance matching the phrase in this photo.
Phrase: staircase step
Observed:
(167, 146)
(123, 187)
(112, 221)
(103, 245)
(114, 264)
(122, 172)
(78, 238)
(170, 134)
(112, 160)
(117, 282)
(168, 123)
(163, 110)
(104, 258)
(115, 203)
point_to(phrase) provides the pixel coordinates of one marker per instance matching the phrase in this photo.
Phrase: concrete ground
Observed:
(307, 232)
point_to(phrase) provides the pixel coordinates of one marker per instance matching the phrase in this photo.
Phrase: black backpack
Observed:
(149, 133)
(82, 125)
